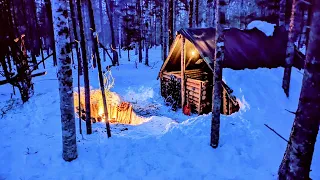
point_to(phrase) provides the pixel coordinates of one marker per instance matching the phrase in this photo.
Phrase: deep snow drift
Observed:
(169, 145)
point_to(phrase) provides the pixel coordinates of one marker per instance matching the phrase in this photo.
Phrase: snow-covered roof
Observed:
(250, 49)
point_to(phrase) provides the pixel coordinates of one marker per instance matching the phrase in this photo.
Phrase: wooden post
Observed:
(183, 60)
(200, 99)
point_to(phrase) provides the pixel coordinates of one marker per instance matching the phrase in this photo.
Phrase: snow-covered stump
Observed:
(297, 159)
(63, 49)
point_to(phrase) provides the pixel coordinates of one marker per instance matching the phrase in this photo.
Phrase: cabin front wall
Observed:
(198, 92)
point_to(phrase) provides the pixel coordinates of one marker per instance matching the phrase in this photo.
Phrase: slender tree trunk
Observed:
(165, 31)
(136, 48)
(103, 37)
(282, 13)
(289, 52)
(147, 37)
(155, 31)
(210, 13)
(140, 29)
(191, 13)
(95, 44)
(308, 24)
(128, 55)
(62, 43)
(113, 40)
(48, 8)
(73, 9)
(79, 97)
(41, 51)
(36, 36)
(161, 31)
(197, 13)
(92, 32)
(217, 80)
(171, 23)
(183, 68)
(297, 159)
(85, 69)
(119, 40)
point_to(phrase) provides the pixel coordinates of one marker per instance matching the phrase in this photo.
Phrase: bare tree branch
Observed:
(277, 133)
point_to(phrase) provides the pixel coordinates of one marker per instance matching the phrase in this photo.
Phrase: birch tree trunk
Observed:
(297, 159)
(217, 79)
(62, 43)
(289, 52)
(85, 69)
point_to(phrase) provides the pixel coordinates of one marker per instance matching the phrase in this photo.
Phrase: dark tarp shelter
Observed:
(193, 72)
(243, 48)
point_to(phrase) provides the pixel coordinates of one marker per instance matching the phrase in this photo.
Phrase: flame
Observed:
(118, 110)
(100, 112)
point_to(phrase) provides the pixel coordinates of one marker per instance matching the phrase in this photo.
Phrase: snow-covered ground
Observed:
(169, 145)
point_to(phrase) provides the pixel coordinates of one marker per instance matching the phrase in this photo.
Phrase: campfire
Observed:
(118, 111)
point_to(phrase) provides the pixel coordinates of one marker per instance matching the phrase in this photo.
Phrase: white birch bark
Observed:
(63, 52)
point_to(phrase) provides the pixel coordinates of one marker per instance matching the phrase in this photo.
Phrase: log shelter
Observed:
(186, 78)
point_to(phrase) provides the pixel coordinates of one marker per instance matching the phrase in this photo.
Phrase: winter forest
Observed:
(159, 89)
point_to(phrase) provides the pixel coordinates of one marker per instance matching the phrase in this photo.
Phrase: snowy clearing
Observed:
(169, 145)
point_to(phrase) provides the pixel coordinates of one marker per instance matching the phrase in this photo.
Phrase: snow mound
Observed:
(263, 26)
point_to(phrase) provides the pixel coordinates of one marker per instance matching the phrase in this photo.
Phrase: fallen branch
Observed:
(277, 133)
(106, 50)
(42, 61)
(14, 78)
(300, 72)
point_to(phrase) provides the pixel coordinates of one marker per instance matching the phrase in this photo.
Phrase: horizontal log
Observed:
(14, 78)
(192, 70)
(169, 76)
(192, 85)
(192, 98)
(196, 90)
(192, 93)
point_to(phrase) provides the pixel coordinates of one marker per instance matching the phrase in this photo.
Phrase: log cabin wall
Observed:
(198, 91)
(198, 88)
